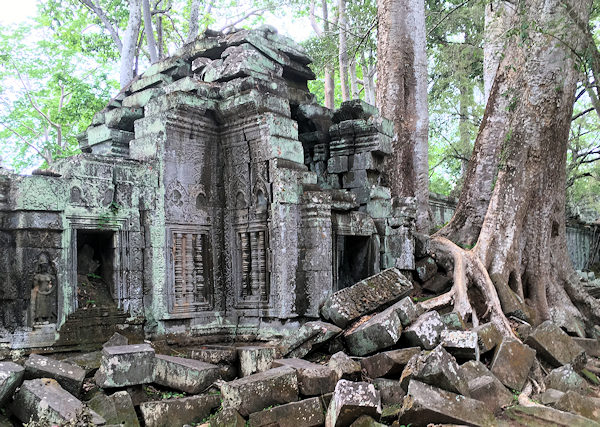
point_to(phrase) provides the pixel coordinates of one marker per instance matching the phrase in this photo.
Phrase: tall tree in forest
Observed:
(323, 32)
(402, 97)
(519, 265)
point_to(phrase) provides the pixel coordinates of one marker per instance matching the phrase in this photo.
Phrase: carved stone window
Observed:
(254, 271)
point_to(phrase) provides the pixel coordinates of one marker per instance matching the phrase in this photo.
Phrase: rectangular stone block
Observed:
(555, 346)
(337, 164)
(313, 379)
(188, 375)
(350, 401)
(126, 365)
(388, 363)
(305, 413)
(426, 331)
(253, 393)
(253, 359)
(380, 331)
(69, 376)
(178, 412)
(512, 362)
(11, 376)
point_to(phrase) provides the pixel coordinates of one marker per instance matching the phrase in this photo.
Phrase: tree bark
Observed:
(328, 69)
(522, 242)
(498, 20)
(343, 51)
(129, 43)
(402, 97)
(194, 17)
(354, 80)
(149, 31)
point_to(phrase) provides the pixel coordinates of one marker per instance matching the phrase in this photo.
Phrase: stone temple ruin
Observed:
(213, 196)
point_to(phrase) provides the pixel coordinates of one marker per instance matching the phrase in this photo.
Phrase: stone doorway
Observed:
(95, 268)
(353, 260)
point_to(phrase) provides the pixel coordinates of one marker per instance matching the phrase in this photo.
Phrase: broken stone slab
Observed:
(555, 346)
(180, 411)
(484, 386)
(590, 345)
(437, 368)
(426, 268)
(69, 376)
(45, 397)
(425, 332)
(366, 421)
(425, 404)
(227, 417)
(376, 333)
(538, 416)
(116, 409)
(453, 321)
(512, 362)
(89, 362)
(123, 118)
(365, 297)
(313, 379)
(345, 367)
(585, 406)
(188, 375)
(309, 335)
(115, 340)
(388, 363)
(488, 336)
(253, 359)
(305, 413)
(226, 357)
(126, 365)
(437, 284)
(391, 391)
(461, 344)
(11, 376)
(407, 311)
(565, 379)
(258, 391)
(551, 396)
(350, 401)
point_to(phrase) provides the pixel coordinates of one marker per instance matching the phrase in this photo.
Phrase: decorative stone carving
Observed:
(43, 293)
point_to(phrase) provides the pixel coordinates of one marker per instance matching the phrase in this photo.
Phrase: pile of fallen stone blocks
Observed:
(375, 358)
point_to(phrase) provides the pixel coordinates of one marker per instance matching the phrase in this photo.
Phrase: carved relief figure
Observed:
(43, 293)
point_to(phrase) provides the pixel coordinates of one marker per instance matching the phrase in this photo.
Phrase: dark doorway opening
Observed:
(352, 260)
(95, 268)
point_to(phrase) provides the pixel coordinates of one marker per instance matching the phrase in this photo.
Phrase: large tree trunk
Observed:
(329, 69)
(522, 242)
(498, 21)
(343, 51)
(149, 31)
(402, 97)
(129, 42)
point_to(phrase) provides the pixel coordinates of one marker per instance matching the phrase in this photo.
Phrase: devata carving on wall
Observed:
(43, 293)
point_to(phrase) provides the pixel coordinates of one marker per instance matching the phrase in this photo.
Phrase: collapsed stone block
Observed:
(191, 376)
(437, 368)
(350, 401)
(255, 392)
(544, 416)
(484, 386)
(461, 344)
(407, 311)
(425, 332)
(366, 421)
(388, 363)
(228, 417)
(11, 376)
(425, 404)
(551, 396)
(391, 391)
(253, 359)
(365, 297)
(116, 340)
(225, 357)
(345, 367)
(453, 321)
(305, 413)
(115, 409)
(309, 335)
(69, 376)
(565, 379)
(437, 284)
(426, 268)
(126, 365)
(380, 331)
(555, 346)
(45, 397)
(89, 362)
(585, 406)
(178, 412)
(590, 345)
(512, 362)
(488, 336)
(313, 379)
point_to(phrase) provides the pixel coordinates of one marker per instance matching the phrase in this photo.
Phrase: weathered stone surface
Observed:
(253, 359)
(425, 332)
(437, 284)
(422, 245)
(391, 391)
(368, 295)
(512, 362)
(350, 401)
(407, 311)
(426, 268)
(590, 345)
(11, 376)
(437, 368)
(191, 376)
(541, 416)
(89, 362)
(116, 340)
(551, 396)
(345, 367)
(484, 386)
(585, 406)
(453, 321)
(115, 409)
(425, 404)
(489, 337)
(377, 333)
(228, 417)
(461, 344)
(126, 365)
(313, 379)
(564, 379)
(44, 396)
(180, 411)
(388, 363)
(366, 421)
(226, 357)
(255, 392)
(309, 335)
(555, 346)
(69, 376)
(305, 413)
